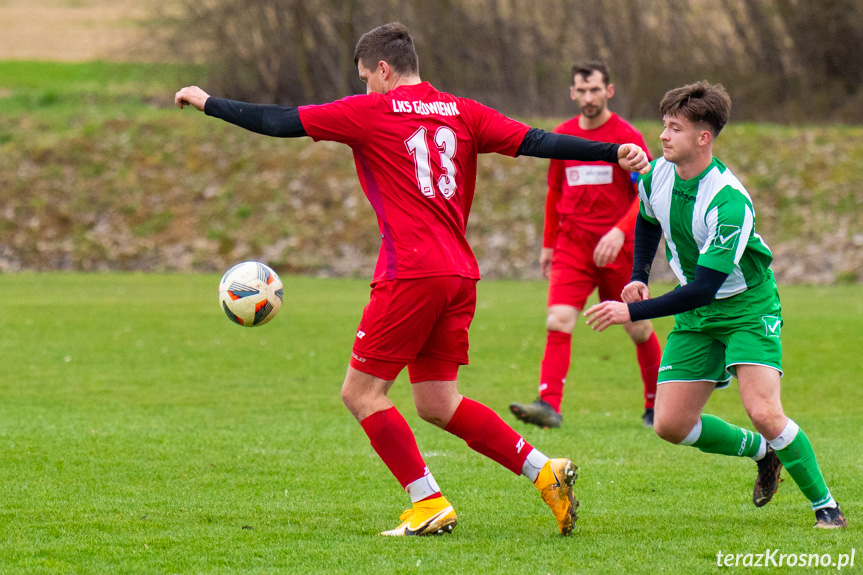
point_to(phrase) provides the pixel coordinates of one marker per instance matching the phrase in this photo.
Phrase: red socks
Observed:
(486, 433)
(555, 365)
(392, 439)
(649, 358)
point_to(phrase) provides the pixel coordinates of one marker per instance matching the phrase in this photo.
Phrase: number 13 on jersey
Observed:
(418, 147)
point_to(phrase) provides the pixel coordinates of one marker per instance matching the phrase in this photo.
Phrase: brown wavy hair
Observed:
(700, 103)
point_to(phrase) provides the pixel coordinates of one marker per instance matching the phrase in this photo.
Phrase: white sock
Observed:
(786, 437)
(422, 487)
(762, 450)
(533, 464)
(694, 434)
(829, 503)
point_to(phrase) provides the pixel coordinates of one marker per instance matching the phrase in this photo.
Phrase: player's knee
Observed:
(561, 320)
(434, 416)
(768, 420)
(639, 331)
(670, 430)
(348, 395)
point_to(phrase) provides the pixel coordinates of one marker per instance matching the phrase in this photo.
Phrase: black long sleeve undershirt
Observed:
(647, 236)
(266, 119)
(699, 293)
(284, 122)
(541, 144)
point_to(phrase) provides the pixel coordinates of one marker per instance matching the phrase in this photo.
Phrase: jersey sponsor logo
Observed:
(589, 175)
(772, 325)
(726, 237)
(425, 108)
(683, 195)
(664, 368)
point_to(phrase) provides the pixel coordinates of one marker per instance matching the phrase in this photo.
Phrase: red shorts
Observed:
(574, 276)
(419, 323)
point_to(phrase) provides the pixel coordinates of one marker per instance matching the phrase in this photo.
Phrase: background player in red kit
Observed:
(590, 214)
(416, 150)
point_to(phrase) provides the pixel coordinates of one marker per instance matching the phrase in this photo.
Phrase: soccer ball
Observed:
(250, 294)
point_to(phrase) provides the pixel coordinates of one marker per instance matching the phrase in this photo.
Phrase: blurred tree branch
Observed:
(782, 60)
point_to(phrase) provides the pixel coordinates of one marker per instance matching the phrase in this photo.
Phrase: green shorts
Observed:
(707, 343)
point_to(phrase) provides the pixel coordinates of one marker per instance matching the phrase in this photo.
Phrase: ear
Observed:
(610, 90)
(705, 138)
(572, 92)
(384, 69)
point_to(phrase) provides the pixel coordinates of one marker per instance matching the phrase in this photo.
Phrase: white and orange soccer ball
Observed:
(250, 294)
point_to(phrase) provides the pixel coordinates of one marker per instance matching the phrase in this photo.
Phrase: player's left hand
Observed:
(608, 247)
(607, 313)
(633, 159)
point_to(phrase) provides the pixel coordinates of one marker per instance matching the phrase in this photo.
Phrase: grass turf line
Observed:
(143, 432)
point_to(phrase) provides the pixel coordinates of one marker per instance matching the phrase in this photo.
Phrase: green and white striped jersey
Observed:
(708, 221)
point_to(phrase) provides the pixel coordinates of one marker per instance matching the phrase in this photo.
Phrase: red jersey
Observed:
(415, 149)
(593, 196)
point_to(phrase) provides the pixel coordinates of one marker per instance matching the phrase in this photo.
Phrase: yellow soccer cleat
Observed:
(430, 517)
(554, 482)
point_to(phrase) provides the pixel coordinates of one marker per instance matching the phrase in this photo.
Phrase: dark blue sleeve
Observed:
(541, 144)
(647, 236)
(266, 119)
(699, 293)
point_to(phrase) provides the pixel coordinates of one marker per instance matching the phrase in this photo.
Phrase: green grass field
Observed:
(142, 432)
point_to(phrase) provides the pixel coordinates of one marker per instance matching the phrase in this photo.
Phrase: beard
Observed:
(591, 111)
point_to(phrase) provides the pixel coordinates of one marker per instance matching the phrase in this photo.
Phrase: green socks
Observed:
(796, 454)
(718, 436)
(792, 447)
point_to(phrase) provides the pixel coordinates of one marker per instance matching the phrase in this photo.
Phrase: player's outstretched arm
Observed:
(266, 119)
(541, 144)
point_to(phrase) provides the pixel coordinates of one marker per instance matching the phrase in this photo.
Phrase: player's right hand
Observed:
(545, 262)
(635, 291)
(191, 96)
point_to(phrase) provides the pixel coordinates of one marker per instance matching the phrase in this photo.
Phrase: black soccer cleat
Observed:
(647, 417)
(537, 413)
(767, 482)
(830, 518)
